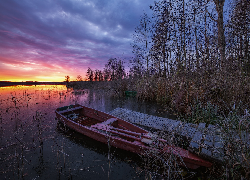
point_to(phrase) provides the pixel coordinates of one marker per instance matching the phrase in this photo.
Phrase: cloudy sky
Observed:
(45, 40)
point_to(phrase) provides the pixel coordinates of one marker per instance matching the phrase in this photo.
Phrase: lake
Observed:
(34, 146)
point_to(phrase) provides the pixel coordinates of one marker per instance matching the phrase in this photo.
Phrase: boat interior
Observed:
(78, 116)
(114, 126)
(108, 124)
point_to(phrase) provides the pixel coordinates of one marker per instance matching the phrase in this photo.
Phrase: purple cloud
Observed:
(66, 35)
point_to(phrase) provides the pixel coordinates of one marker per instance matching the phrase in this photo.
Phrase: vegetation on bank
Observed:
(184, 60)
(219, 98)
(196, 65)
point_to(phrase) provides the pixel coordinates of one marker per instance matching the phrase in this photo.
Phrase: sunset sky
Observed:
(45, 40)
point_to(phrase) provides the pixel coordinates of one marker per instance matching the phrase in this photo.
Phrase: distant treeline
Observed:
(114, 70)
(8, 83)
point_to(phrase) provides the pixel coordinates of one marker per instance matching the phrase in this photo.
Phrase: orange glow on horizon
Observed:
(38, 79)
(39, 76)
(22, 71)
(49, 79)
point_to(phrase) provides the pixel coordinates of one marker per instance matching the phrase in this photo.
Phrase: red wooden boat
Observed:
(121, 134)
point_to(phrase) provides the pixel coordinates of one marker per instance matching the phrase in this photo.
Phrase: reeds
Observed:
(31, 146)
(237, 141)
(215, 97)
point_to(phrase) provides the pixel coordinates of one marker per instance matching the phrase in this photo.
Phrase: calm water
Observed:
(34, 146)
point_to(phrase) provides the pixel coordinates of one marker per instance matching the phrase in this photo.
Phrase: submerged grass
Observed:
(32, 148)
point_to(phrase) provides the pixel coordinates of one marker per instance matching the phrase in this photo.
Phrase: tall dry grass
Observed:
(214, 96)
(182, 93)
(219, 97)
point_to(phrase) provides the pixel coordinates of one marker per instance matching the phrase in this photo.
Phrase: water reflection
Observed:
(99, 156)
(32, 146)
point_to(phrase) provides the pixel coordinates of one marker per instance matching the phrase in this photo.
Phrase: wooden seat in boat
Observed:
(70, 109)
(109, 121)
(147, 141)
(105, 124)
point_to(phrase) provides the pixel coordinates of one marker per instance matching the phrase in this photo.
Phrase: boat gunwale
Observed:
(189, 158)
(82, 107)
(104, 134)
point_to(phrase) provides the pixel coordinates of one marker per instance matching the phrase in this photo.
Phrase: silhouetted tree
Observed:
(100, 75)
(106, 74)
(220, 25)
(90, 75)
(238, 35)
(115, 68)
(79, 78)
(96, 75)
(161, 36)
(67, 78)
(141, 44)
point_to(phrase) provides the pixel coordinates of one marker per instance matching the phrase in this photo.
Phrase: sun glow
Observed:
(28, 68)
(52, 78)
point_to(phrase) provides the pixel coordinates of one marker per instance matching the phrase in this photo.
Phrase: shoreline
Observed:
(2, 84)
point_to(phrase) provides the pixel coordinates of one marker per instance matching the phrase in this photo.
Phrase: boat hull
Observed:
(121, 134)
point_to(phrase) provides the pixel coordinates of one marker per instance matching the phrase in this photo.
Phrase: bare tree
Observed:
(220, 25)
(115, 68)
(90, 75)
(163, 27)
(67, 78)
(106, 74)
(239, 35)
(79, 78)
(100, 76)
(142, 40)
(96, 75)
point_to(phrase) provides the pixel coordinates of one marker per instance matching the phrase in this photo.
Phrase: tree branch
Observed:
(211, 16)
